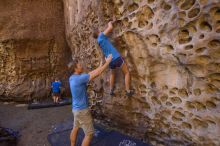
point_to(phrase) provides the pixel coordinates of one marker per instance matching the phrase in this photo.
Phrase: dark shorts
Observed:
(116, 63)
(56, 94)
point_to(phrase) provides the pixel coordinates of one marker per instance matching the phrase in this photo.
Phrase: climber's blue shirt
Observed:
(78, 87)
(107, 47)
(56, 87)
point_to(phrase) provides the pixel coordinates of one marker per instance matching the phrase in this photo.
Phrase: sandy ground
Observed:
(33, 125)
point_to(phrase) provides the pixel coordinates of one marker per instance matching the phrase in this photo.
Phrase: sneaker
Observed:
(112, 93)
(130, 93)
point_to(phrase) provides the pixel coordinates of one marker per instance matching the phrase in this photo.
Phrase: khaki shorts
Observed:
(83, 119)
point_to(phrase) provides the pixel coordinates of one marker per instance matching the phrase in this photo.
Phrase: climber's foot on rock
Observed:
(129, 93)
(112, 93)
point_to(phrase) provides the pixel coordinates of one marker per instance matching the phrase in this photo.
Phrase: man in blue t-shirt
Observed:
(78, 86)
(56, 86)
(117, 60)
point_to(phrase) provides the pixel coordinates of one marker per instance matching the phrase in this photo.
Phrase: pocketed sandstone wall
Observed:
(33, 49)
(172, 48)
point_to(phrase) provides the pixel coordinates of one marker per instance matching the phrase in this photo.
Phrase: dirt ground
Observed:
(33, 125)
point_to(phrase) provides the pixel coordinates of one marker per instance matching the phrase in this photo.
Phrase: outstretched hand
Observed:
(101, 63)
(114, 20)
(93, 74)
(110, 24)
(109, 28)
(109, 58)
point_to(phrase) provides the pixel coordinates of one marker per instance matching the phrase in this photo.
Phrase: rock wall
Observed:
(33, 49)
(172, 48)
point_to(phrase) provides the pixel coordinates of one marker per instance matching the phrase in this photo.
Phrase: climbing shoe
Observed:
(112, 93)
(130, 93)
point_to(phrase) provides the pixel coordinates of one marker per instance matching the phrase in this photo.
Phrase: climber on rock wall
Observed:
(80, 108)
(117, 60)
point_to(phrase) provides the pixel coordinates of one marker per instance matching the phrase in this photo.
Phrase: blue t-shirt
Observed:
(107, 47)
(78, 87)
(56, 87)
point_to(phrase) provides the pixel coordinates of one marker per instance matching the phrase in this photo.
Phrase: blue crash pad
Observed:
(102, 137)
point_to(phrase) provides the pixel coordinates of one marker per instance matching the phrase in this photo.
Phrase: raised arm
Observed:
(95, 73)
(108, 29)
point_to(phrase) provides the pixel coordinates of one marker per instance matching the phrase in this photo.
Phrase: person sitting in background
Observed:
(56, 90)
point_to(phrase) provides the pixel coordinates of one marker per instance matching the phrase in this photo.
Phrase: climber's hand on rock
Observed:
(113, 20)
(109, 58)
(110, 24)
(109, 29)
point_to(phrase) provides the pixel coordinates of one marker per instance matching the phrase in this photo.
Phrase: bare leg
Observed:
(87, 139)
(57, 98)
(54, 99)
(127, 76)
(112, 79)
(73, 136)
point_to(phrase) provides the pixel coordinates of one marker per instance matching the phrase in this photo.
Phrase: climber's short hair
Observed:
(95, 33)
(73, 64)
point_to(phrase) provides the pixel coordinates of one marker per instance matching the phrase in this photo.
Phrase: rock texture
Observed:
(172, 48)
(33, 49)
